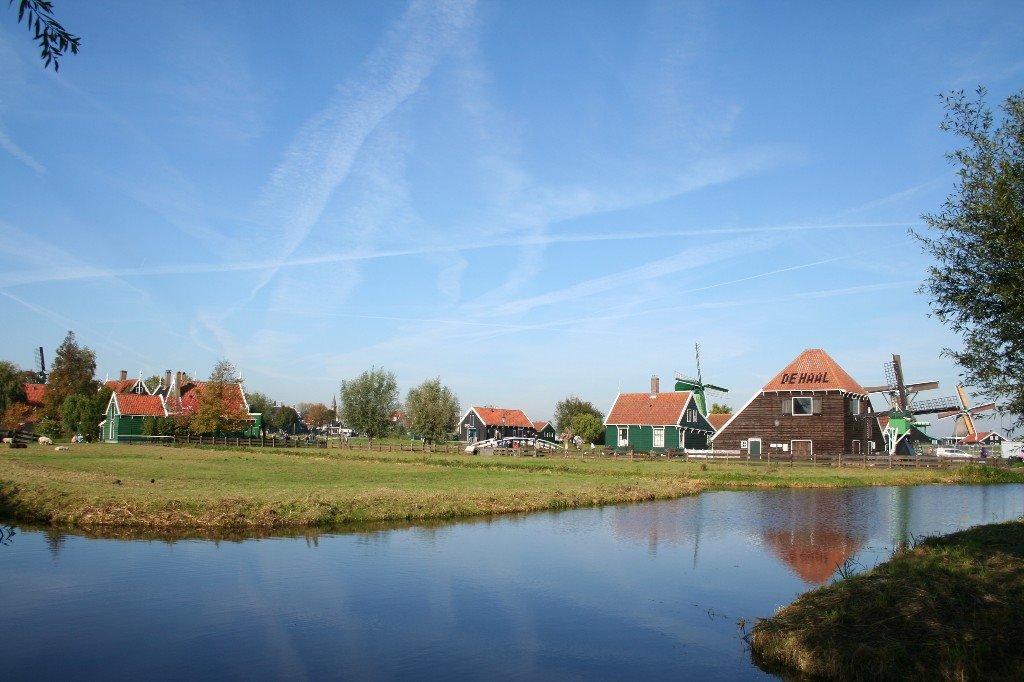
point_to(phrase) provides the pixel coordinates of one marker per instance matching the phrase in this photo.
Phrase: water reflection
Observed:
(633, 591)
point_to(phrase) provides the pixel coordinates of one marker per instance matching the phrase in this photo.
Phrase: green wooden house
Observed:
(545, 431)
(125, 415)
(655, 422)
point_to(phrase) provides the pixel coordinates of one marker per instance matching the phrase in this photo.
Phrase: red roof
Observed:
(121, 385)
(539, 426)
(717, 421)
(191, 391)
(814, 370)
(34, 394)
(650, 409)
(139, 405)
(492, 416)
(979, 437)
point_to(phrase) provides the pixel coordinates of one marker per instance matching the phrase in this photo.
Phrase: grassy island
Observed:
(947, 609)
(157, 487)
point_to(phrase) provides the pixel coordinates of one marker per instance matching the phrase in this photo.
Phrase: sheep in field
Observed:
(45, 440)
(61, 448)
(8, 441)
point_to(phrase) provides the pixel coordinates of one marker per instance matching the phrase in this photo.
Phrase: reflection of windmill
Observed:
(964, 425)
(902, 426)
(697, 386)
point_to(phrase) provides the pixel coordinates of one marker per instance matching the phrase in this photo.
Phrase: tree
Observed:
(432, 410)
(71, 374)
(717, 408)
(566, 410)
(260, 403)
(317, 416)
(217, 410)
(286, 419)
(152, 382)
(15, 416)
(368, 401)
(53, 38)
(78, 415)
(588, 427)
(12, 387)
(977, 285)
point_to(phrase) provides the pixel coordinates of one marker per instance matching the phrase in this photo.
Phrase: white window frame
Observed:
(810, 402)
(659, 437)
(856, 446)
(623, 432)
(855, 406)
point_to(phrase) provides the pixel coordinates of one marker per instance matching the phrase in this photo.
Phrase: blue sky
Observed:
(527, 199)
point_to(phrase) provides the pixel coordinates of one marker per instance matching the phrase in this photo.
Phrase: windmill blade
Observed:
(963, 395)
(712, 387)
(878, 389)
(982, 408)
(922, 386)
(946, 415)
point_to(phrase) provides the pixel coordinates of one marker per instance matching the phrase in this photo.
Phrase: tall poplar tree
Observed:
(71, 374)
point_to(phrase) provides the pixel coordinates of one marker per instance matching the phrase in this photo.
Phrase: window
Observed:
(623, 435)
(854, 406)
(803, 406)
(856, 447)
(691, 415)
(659, 436)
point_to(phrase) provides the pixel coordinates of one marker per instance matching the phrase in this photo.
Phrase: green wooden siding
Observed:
(641, 438)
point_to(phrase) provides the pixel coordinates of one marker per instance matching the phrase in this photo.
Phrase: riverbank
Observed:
(947, 609)
(150, 486)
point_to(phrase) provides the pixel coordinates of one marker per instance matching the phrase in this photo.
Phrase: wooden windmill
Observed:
(697, 385)
(964, 425)
(903, 409)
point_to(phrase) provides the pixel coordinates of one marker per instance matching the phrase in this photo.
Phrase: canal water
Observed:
(655, 590)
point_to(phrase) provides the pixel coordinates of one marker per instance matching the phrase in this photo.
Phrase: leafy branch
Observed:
(53, 38)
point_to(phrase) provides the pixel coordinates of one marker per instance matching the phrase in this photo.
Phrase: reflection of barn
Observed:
(814, 554)
(811, 406)
(484, 423)
(812, 532)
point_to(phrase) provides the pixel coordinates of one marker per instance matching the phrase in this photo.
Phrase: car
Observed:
(952, 452)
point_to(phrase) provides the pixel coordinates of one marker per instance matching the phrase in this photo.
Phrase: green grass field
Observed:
(152, 486)
(948, 609)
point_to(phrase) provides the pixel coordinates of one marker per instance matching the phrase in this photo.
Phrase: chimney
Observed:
(654, 385)
(167, 379)
(124, 375)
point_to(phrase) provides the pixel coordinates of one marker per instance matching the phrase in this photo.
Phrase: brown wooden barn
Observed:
(811, 407)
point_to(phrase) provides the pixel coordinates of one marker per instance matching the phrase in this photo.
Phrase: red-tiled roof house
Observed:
(484, 423)
(656, 421)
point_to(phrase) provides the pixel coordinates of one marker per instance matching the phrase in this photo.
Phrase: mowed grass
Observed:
(151, 486)
(948, 609)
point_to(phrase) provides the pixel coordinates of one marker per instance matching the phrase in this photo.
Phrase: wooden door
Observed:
(801, 449)
(754, 448)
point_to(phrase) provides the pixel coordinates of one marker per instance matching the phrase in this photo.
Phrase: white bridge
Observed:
(523, 441)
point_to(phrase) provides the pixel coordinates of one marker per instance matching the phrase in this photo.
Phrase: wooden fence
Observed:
(321, 443)
(724, 457)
